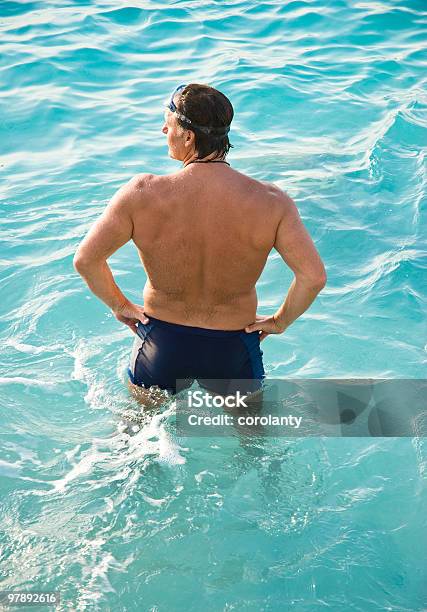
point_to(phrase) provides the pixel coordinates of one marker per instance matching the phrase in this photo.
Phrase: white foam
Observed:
(28, 382)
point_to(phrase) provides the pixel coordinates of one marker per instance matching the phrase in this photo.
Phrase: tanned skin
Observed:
(203, 235)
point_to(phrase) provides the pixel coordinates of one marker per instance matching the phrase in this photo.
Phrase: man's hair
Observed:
(207, 107)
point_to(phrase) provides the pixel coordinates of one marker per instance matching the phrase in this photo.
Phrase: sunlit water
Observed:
(330, 104)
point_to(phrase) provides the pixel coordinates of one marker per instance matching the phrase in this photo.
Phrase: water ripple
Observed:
(330, 104)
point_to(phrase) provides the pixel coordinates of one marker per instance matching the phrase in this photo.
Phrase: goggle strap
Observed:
(219, 131)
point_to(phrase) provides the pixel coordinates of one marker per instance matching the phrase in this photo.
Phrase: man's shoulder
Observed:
(278, 198)
(275, 191)
(139, 187)
(141, 180)
(152, 184)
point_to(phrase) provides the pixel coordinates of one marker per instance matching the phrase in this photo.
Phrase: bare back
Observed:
(204, 235)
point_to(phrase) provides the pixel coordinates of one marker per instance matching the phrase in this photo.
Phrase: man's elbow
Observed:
(320, 281)
(316, 282)
(81, 263)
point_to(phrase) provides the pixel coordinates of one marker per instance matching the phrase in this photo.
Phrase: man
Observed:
(203, 235)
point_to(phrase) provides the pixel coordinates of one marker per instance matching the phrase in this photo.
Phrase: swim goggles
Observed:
(219, 131)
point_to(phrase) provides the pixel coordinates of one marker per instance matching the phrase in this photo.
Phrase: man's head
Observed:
(197, 121)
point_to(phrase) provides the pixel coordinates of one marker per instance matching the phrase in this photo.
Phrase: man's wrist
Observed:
(280, 324)
(120, 305)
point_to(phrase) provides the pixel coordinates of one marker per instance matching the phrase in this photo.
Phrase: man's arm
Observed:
(294, 244)
(111, 231)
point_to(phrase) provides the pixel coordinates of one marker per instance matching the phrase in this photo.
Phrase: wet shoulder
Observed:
(156, 183)
(143, 188)
(271, 196)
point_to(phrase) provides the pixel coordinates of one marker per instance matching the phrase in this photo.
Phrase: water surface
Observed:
(330, 104)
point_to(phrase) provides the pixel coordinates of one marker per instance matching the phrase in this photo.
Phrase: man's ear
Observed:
(189, 138)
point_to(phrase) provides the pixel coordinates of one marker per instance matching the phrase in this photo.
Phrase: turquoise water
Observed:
(330, 104)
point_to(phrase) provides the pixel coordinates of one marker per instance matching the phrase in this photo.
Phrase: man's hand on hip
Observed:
(266, 325)
(130, 314)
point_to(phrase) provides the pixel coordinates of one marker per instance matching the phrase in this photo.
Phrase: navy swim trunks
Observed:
(164, 353)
